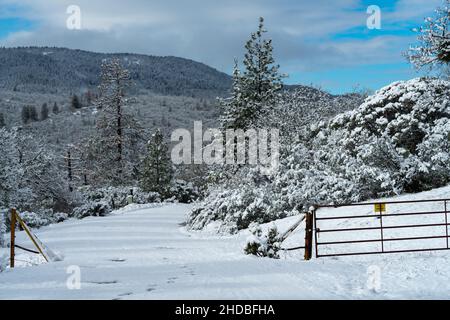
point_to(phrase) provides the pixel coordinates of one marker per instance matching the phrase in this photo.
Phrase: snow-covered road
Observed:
(147, 254)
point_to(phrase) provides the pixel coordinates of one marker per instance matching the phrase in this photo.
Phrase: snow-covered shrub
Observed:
(263, 244)
(42, 218)
(235, 208)
(100, 202)
(34, 220)
(30, 175)
(434, 152)
(141, 197)
(60, 217)
(184, 192)
(98, 209)
(393, 131)
(397, 141)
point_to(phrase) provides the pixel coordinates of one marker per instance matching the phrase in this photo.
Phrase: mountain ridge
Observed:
(57, 70)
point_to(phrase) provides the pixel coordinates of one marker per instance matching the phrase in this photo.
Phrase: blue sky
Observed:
(375, 74)
(321, 42)
(9, 26)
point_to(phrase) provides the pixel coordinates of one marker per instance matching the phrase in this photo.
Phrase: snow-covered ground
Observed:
(146, 253)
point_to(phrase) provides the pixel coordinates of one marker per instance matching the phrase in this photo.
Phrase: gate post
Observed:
(309, 235)
(13, 238)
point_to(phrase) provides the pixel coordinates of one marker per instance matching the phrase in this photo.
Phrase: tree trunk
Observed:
(119, 129)
(69, 169)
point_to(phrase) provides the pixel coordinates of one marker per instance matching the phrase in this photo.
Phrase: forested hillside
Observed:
(58, 70)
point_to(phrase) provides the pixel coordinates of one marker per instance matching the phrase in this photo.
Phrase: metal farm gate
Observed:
(378, 228)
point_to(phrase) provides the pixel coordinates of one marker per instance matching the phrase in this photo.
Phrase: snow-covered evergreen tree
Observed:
(114, 146)
(29, 113)
(263, 244)
(2, 120)
(55, 109)
(157, 171)
(2, 228)
(434, 40)
(256, 87)
(234, 114)
(44, 111)
(75, 102)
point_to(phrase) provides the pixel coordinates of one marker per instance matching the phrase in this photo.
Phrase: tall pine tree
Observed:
(75, 102)
(234, 114)
(115, 144)
(2, 120)
(29, 113)
(55, 108)
(44, 112)
(256, 88)
(2, 230)
(157, 171)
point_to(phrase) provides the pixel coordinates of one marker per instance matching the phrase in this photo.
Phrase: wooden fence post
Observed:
(13, 238)
(308, 235)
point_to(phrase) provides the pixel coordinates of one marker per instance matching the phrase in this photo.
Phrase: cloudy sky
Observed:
(326, 43)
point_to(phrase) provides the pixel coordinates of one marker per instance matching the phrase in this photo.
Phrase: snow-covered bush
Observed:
(141, 197)
(263, 244)
(397, 141)
(42, 218)
(34, 220)
(30, 175)
(393, 131)
(235, 208)
(100, 202)
(97, 208)
(184, 192)
(434, 152)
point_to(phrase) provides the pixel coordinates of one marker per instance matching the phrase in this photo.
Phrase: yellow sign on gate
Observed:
(380, 207)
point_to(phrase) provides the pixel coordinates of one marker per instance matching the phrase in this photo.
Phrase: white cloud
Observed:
(210, 31)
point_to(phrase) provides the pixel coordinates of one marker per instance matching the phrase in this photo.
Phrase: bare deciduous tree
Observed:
(433, 50)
